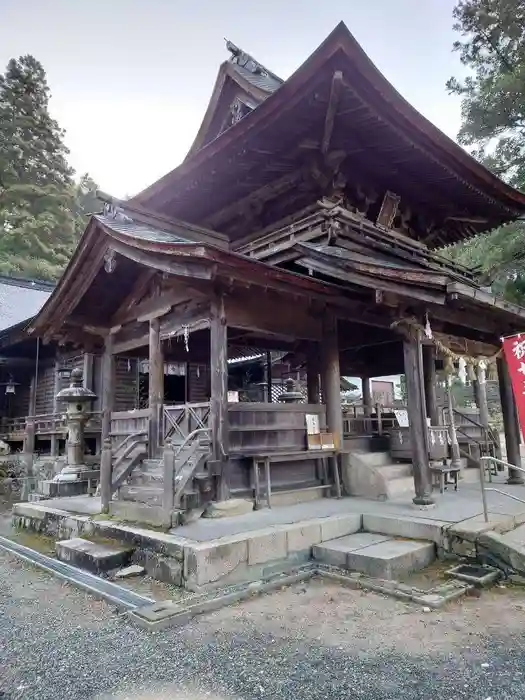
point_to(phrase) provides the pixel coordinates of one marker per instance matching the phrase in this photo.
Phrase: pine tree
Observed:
(38, 226)
(492, 47)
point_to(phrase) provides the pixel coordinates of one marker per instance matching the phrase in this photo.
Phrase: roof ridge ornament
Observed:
(243, 59)
(115, 212)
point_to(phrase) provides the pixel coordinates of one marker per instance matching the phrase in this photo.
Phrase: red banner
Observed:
(514, 350)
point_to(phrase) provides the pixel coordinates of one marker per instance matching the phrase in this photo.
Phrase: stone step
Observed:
(400, 486)
(150, 477)
(93, 556)
(406, 527)
(142, 513)
(376, 555)
(151, 495)
(395, 471)
(151, 464)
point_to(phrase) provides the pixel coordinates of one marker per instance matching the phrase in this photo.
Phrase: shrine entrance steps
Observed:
(373, 474)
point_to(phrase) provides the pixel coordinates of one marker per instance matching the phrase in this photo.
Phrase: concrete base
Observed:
(373, 475)
(92, 556)
(376, 555)
(62, 489)
(227, 509)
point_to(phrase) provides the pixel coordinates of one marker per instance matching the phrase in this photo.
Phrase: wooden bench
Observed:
(441, 475)
(278, 457)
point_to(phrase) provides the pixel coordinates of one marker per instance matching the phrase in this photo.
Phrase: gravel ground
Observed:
(314, 641)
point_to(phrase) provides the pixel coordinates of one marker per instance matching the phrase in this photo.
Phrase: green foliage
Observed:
(41, 208)
(492, 48)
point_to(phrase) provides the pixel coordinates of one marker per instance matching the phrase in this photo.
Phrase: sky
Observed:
(131, 79)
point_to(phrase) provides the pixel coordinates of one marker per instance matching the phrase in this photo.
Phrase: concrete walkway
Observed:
(451, 507)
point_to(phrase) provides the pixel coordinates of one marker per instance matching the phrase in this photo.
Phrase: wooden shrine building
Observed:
(306, 219)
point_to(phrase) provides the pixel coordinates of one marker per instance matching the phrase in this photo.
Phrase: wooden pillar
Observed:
(312, 373)
(510, 422)
(416, 415)
(269, 377)
(29, 438)
(56, 389)
(219, 427)
(87, 370)
(430, 382)
(156, 385)
(367, 395)
(480, 392)
(107, 387)
(331, 379)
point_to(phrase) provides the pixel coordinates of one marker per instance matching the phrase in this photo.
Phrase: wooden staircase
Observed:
(142, 493)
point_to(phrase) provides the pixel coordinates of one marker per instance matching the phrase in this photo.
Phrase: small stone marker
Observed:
(133, 570)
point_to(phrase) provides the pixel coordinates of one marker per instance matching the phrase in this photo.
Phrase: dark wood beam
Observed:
(331, 110)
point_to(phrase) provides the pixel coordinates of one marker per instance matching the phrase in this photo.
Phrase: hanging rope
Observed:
(410, 327)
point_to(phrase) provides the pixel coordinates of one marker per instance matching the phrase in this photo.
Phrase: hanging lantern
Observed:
(64, 372)
(10, 387)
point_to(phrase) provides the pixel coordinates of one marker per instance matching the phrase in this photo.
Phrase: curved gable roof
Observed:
(240, 77)
(180, 192)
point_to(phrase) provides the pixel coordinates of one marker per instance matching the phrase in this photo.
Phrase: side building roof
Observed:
(21, 300)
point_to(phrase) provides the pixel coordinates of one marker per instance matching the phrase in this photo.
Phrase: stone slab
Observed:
(208, 563)
(63, 489)
(267, 547)
(392, 558)
(129, 571)
(405, 527)
(137, 513)
(471, 528)
(335, 552)
(93, 556)
(228, 509)
(301, 537)
(339, 526)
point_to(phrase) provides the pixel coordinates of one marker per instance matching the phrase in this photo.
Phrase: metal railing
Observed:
(484, 488)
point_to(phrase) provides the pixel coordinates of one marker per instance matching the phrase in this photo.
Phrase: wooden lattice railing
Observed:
(181, 420)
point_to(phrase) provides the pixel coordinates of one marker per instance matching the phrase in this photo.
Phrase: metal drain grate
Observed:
(474, 574)
(113, 593)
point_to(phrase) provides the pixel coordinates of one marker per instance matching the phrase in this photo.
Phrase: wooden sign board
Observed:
(401, 415)
(312, 424)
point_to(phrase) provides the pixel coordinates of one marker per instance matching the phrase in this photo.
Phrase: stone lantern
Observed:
(290, 394)
(77, 398)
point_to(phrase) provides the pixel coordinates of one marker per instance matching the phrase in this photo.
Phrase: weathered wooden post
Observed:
(168, 494)
(106, 475)
(429, 373)
(108, 387)
(219, 428)
(510, 422)
(367, 395)
(312, 373)
(331, 379)
(417, 418)
(156, 385)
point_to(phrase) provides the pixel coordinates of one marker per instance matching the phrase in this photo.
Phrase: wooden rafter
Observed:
(331, 110)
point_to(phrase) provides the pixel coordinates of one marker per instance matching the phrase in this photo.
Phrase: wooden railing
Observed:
(125, 423)
(46, 424)
(180, 420)
(360, 420)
